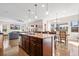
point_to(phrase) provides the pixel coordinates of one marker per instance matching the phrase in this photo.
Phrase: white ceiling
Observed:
(19, 11)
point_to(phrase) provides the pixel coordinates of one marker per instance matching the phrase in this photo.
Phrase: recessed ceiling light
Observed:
(36, 17)
(47, 12)
(43, 5)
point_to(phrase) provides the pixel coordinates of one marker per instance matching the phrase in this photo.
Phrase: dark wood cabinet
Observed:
(32, 45)
(32, 49)
(25, 43)
(36, 50)
(36, 46)
(39, 50)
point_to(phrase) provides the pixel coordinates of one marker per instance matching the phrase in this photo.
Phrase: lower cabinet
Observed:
(39, 51)
(32, 49)
(32, 45)
(27, 45)
(23, 42)
(36, 47)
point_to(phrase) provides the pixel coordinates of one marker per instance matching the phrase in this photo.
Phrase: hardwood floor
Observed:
(14, 51)
(22, 52)
(61, 50)
(9, 50)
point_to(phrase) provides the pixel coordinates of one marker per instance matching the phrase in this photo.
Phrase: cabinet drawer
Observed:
(37, 40)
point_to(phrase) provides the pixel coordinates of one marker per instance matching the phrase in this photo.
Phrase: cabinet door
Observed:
(38, 50)
(27, 45)
(35, 47)
(23, 42)
(32, 49)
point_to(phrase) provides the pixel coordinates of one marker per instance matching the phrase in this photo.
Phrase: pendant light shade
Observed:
(47, 9)
(43, 5)
(56, 21)
(47, 12)
(36, 11)
(29, 14)
(36, 17)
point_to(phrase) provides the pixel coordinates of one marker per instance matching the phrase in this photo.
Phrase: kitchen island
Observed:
(37, 44)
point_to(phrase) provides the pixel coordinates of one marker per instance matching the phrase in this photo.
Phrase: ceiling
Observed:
(19, 11)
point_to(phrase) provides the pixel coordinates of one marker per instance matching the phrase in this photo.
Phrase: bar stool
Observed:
(63, 36)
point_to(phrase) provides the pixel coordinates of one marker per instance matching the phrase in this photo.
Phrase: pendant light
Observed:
(43, 5)
(56, 21)
(36, 11)
(47, 9)
(29, 14)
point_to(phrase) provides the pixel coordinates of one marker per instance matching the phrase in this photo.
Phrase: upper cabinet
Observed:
(36, 25)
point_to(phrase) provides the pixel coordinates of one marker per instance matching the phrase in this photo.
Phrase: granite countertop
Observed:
(39, 35)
